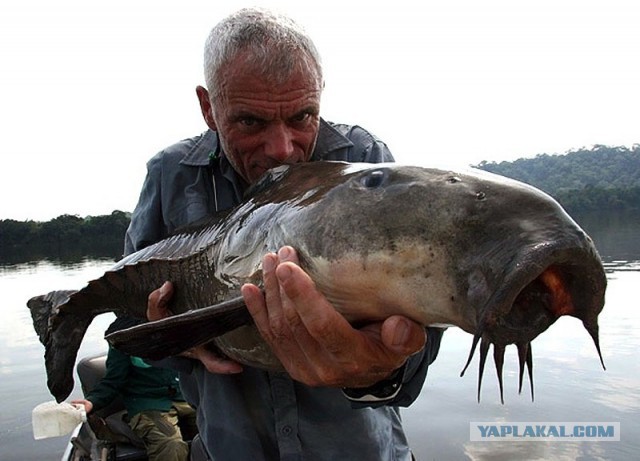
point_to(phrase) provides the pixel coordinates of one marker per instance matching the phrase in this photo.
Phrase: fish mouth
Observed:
(553, 281)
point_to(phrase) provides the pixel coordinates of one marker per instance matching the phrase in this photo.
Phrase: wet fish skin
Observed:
(495, 257)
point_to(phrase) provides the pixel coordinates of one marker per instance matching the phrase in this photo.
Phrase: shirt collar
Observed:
(329, 140)
(207, 147)
(204, 148)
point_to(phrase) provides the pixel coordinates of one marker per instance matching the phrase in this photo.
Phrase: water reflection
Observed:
(509, 451)
(61, 256)
(615, 233)
(617, 266)
(70, 264)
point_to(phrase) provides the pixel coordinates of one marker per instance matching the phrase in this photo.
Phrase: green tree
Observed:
(602, 177)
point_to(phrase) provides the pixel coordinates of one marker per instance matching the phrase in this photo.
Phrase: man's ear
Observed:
(205, 107)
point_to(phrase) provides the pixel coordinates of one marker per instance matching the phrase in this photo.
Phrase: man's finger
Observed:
(158, 302)
(272, 293)
(213, 362)
(256, 305)
(306, 303)
(402, 335)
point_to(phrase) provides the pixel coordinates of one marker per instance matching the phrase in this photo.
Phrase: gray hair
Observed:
(272, 42)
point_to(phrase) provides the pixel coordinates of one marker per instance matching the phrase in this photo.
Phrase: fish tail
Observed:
(44, 311)
(61, 335)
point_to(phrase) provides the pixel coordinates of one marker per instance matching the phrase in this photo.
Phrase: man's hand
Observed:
(88, 406)
(316, 345)
(158, 308)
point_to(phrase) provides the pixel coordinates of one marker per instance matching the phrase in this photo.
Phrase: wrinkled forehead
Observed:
(272, 70)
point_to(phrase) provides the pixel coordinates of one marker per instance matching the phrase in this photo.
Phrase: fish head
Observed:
(496, 257)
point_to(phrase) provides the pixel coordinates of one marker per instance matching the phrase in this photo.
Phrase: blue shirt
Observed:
(259, 415)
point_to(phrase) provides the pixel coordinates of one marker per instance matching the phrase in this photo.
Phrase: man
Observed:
(339, 398)
(155, 407)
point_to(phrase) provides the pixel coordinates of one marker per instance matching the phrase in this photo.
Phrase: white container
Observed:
(51, 419)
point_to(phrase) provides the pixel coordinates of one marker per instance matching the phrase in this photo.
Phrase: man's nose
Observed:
(279, 143)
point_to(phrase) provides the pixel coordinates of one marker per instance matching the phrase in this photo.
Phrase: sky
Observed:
(90, 90)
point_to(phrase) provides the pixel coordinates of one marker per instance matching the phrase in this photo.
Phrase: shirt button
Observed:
(286, 430)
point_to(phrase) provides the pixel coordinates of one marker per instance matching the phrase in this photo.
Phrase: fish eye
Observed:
(373, 179)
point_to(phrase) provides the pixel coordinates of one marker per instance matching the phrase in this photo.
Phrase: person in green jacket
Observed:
(152, 398)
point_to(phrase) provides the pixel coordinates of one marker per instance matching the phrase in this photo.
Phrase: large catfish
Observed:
(495, 257)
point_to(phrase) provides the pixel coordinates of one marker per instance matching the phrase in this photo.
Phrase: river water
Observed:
(570, 384)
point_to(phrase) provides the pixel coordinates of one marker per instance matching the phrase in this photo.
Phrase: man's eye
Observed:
(249, 121)
(301, 117)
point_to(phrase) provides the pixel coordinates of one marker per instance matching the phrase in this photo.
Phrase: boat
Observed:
(105, 435)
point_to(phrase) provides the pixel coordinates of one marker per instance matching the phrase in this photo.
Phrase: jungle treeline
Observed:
(600, 178)
(67, 237)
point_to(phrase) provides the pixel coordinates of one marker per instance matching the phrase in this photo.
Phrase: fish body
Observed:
(495, 257)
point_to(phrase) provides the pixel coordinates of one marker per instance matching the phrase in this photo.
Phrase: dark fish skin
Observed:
(495, 257)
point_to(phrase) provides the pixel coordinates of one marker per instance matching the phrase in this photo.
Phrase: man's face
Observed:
(262, 124)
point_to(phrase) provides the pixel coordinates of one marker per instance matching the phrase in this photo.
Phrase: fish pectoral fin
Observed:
(172, 335)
